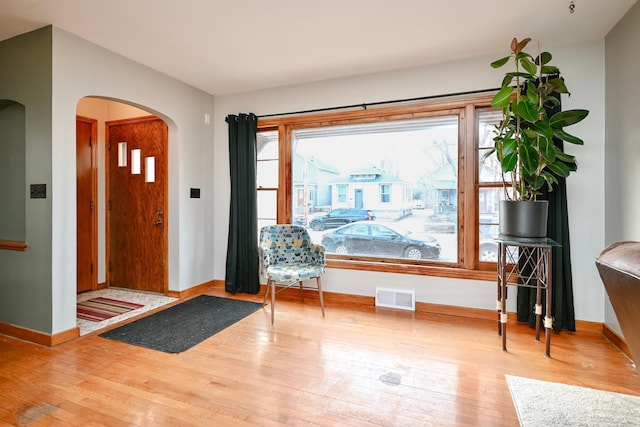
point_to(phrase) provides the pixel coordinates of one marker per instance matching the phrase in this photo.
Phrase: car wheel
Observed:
(488, 252)
(413, 253)
(341, 250)
(317, 226)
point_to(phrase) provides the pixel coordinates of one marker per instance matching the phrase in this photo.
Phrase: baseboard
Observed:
(195, 290)
(355, 301)
(38, 337)
(330, 299)
(616, 340)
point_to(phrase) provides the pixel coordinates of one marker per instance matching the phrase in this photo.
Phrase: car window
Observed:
(357, 230)
(380, 231)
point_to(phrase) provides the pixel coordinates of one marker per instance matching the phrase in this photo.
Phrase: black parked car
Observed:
(375, 239)
(338, 217)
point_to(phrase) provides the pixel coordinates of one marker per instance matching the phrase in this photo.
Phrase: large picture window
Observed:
(394, 188)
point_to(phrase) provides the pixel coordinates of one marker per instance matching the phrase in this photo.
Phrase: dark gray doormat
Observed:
(184, 325)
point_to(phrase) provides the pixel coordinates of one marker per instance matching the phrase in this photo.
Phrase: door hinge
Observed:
(109, 146)
(92, 269)
(109, 207)
(90, 142)
(109, 266)
(91, 205)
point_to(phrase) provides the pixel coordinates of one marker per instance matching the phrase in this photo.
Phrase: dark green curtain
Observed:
(562, 282)
(242, 269)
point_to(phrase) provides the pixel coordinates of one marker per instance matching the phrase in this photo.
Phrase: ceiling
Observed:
(225, 47)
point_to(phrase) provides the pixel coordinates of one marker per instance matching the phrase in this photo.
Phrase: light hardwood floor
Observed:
(355, 367)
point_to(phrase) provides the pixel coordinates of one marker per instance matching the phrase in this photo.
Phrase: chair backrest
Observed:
(285, 243)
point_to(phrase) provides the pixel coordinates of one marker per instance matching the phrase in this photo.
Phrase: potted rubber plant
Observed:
(524, 140)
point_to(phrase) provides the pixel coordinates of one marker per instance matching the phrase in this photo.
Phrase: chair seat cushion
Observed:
(294, 272)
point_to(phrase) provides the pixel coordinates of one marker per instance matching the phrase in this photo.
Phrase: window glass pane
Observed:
(380, 171)
(267, 205)
(488, 120)
(267, 173)
(267, 177)
(490, 192)
(267, 164)
(267, 145)
(489, 169)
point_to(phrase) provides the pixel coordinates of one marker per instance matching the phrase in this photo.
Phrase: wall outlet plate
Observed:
(38, 191)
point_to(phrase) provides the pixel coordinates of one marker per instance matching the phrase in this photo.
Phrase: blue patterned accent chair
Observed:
(288, 257)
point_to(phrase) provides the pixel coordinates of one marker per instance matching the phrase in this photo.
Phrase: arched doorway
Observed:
(129, 253)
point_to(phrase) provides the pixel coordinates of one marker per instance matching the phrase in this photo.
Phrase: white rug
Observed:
(542, 403)
(149, 300)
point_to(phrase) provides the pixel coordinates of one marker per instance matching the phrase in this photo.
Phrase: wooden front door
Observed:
(86, 218)
(137, 204)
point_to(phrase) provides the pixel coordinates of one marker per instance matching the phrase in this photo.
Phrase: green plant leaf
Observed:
(528, 65)
(535, 182)
(500, 62)
(559, 169)
(550, 179)
(560, 134)
(567, 118)
(509, 162)
(506, 81)
(527, 110)
(550, 69)
(488, 154)
(525, 76)
(532, 93)
(567, 158)
(551, 102)
(528, 158)
(509, 145)
(523, 55)
(547, 150)
(556, 85)
(502, 98)
(546, 58)
(542, 128)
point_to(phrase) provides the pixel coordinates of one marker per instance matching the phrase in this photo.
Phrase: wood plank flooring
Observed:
(360, 367)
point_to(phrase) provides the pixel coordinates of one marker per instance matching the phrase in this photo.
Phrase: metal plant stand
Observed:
(525, 263)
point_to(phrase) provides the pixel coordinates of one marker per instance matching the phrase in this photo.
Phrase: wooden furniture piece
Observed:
(619, 268)
(287, 257)
(525, 263)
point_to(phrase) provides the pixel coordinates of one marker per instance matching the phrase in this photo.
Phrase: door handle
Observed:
(158, 222)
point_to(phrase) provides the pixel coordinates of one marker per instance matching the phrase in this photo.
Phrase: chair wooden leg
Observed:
(320, 292)
(266, 293)
(273, 298)
(301, 292)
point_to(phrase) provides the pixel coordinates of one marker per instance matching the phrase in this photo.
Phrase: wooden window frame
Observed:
(468, 266)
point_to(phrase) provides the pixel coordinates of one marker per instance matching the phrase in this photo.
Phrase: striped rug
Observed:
(98, 309)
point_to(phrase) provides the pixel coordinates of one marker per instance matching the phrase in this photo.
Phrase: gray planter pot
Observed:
(524, 219)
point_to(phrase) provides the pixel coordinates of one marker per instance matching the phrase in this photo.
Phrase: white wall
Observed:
(622, 155)
(583, 67)
(82, 69)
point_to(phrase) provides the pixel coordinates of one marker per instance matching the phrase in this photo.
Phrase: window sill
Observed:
(13, 245)
(423, 270)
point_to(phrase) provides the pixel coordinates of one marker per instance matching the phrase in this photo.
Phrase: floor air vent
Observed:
(395, 298)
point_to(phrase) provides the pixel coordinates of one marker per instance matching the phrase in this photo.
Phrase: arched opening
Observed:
(127, 235)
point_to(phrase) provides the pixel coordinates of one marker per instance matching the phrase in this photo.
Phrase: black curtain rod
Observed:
(372, 104)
